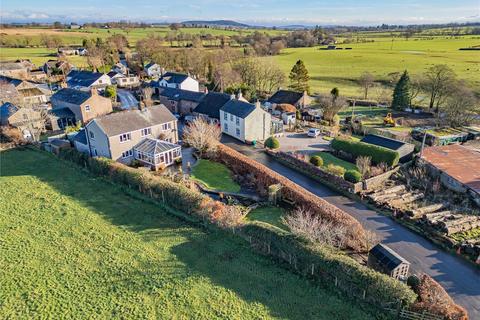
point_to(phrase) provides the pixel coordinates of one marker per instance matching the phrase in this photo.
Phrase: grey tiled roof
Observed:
(286, 96)
(64, 113)
(211, 104)
(179, 94)
(130, 120)
(238, 108)
(173, 77)
(82, 78)
(154, 146)
(72, 96)
(81, 137)
(6, 110)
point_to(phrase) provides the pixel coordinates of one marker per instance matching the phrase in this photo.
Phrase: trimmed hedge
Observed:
(326, 265)
(353, 176)
(316, 161)
(357, 148)
(272, 143)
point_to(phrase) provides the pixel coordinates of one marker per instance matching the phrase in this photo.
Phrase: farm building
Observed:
(405, 150)
(385, 260)
(458, 168)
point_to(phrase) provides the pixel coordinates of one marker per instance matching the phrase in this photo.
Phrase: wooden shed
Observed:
(385, 260)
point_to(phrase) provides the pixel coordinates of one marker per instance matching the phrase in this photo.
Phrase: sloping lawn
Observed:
(73, 246)
(272, 215)
(215, 176)
(329, 158)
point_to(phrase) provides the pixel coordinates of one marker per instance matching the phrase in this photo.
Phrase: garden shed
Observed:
(385, 260)
(405, 150)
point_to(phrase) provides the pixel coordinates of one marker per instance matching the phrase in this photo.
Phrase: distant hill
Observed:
(216, 23)
(295, 26)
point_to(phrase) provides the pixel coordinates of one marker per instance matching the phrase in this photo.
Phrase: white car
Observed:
(313, 133)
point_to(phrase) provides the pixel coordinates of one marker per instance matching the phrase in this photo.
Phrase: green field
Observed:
(38, 55)
(74, 246)
(214, 175)
(328, 158)
(271, 215)
(342, 68)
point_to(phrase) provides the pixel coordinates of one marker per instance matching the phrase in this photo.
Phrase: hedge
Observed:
(353, 176)
(265, 177)
(358, 148)
(327, 265)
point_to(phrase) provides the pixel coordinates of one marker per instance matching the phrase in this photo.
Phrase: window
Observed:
(87, 108)
(146, 132)
(127, 153)
(231, 117)
(238, 121)
(100, 81)
(166, 126)
(92, 136)
(125, 137)
(225, 116)
(25, 116)
(95, 153)
(238, 132)
(225, 126)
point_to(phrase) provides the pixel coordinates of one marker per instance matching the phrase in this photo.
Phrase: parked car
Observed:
(313, 133)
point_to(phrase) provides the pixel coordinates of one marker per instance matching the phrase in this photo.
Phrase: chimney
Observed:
(257, 104)
(93, 91)
(232, 97)
(239, 95)
(205, 90)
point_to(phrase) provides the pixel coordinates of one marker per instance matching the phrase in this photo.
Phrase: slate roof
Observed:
(6, 110)
(63, 113)
(72, 96)
(238, 108)
(286, 96)
(173, 77)
(387, 257)
(82, 78)
(130, 120)
(211, 104)
(154, 146)
(388, 143)
(13, 81)
(179, 94)
(81, 137)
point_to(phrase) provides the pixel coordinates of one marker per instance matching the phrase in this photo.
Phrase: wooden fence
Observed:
(405, 314)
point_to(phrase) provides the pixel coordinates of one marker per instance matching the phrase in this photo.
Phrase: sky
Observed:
(256, 12)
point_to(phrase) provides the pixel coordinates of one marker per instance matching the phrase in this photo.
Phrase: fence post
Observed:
(364, 294)
(151, 194)
(336, 281)
(163, 198)
(313, 268)
(399, 309)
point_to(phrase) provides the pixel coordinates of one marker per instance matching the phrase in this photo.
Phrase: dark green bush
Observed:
(357, 148)
(353, 176)
(316, 161)
(272, 143)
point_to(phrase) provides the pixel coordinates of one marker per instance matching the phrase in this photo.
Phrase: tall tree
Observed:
(438, 82)
(366, 82)
(461, 107)
(299, 77)
(402, 92)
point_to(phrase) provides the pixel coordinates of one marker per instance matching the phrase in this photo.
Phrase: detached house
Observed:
(153, 70)
(124, 80)
(245, 121)
(25, 119)
(298, 99)
(148, 135)
(84, 105)
(85, 80)
(178, 81)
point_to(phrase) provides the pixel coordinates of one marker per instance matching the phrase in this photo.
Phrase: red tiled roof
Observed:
(460, 163)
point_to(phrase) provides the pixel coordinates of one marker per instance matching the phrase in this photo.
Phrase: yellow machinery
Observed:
(388, 120)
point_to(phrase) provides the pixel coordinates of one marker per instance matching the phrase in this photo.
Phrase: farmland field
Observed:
(342, 68)
(75, 246)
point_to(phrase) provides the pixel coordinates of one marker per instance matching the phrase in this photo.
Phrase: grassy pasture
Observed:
(268, 214)
(74, 246)
(342, 68)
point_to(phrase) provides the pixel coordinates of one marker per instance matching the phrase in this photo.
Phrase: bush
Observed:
(272, 143)
(336, 170)
(316, 161)
(353, 176)
(357, 148)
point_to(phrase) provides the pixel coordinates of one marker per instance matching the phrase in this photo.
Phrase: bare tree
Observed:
(366, 81)
(315, 229)
(202, 135)
(437, 82)
(364, 165)
(331, 105)
(461, 107)
(147, 94)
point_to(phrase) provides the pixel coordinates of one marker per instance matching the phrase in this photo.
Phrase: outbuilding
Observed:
(405, 150)
(385, 260)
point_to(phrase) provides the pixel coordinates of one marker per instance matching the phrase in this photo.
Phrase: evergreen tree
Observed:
(299, 77)
(402, 92)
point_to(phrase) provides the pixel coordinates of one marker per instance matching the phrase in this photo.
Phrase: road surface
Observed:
(459, 278)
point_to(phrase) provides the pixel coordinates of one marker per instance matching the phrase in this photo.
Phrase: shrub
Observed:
(272, 143)
(336, 170)
(364, 165)
(316, 161)
(353, 176)
(357, 148)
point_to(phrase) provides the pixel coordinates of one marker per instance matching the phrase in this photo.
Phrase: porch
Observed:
(157, 154)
